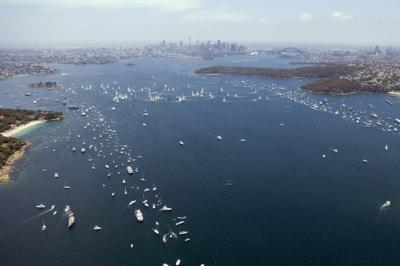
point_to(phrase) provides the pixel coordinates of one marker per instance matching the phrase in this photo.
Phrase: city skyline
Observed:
(36, 22)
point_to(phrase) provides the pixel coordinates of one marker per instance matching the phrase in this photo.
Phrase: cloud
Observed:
(306, 17)
(210, 16)
(263, 20)
(109, 4)
(340, 16)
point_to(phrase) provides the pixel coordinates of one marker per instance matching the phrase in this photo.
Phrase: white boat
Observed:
(73, 149)
(242, 140)
(139, 215)
(179, 223)
(67, 187)
(96, 228)
(123, 181)
(83, 150)
(71, 221)
(129, 169)
(131, 202)
(385, 205)
(386, 147)
(43, 227)
(113, 194)
(55, 175)
(70, 216)
(181, 143)
(365, 161)
(394, 93)
(165, 209)
(397, 120)
(219, 137)
(40, 206)
(156, 231)
(178, 262)
(125, 192)
(183, 232)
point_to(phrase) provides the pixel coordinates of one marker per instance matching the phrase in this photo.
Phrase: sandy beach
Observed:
(14, 131)
(8, 167)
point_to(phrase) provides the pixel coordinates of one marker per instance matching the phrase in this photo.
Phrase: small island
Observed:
(11, 122)
(44, 85)
(330, 78)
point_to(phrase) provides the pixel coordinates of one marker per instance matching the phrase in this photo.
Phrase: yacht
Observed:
(129, 169)
(83, 150)
(55, 175)
(70, 216)
(394, 93)
(139, 215)
(113, 194)
(219, 137)
(165, 209)
(40, 206)
(181, 143)
(178, 262)
(96, 228)
(385, 205)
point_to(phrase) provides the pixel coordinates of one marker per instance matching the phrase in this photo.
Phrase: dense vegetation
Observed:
(320, 71)
(328, 77)
(10, 118)
(340, 86)
(9, 145)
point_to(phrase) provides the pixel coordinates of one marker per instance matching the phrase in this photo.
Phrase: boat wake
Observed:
(28, 220)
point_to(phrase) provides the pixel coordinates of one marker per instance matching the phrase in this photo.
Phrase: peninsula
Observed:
(327, 78)
(11, 122)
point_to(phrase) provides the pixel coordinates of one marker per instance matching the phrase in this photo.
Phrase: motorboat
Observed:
(139, 215)
(165, 209)
(385, 205)
(96, 228)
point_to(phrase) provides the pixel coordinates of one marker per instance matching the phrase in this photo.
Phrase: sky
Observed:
(36, 22)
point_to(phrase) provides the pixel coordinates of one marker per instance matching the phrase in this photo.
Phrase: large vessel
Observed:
(129, 169)
(70, 215)
(139, 215)
(394, 93)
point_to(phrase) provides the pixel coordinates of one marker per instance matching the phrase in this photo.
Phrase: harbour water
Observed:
(269, 200)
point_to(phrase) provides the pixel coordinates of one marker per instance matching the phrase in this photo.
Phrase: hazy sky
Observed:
(118, 21)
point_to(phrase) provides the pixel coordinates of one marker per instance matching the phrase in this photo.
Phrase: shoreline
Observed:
(12, 132)
(6, 170)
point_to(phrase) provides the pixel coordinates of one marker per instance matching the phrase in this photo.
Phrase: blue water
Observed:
(272, 200)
